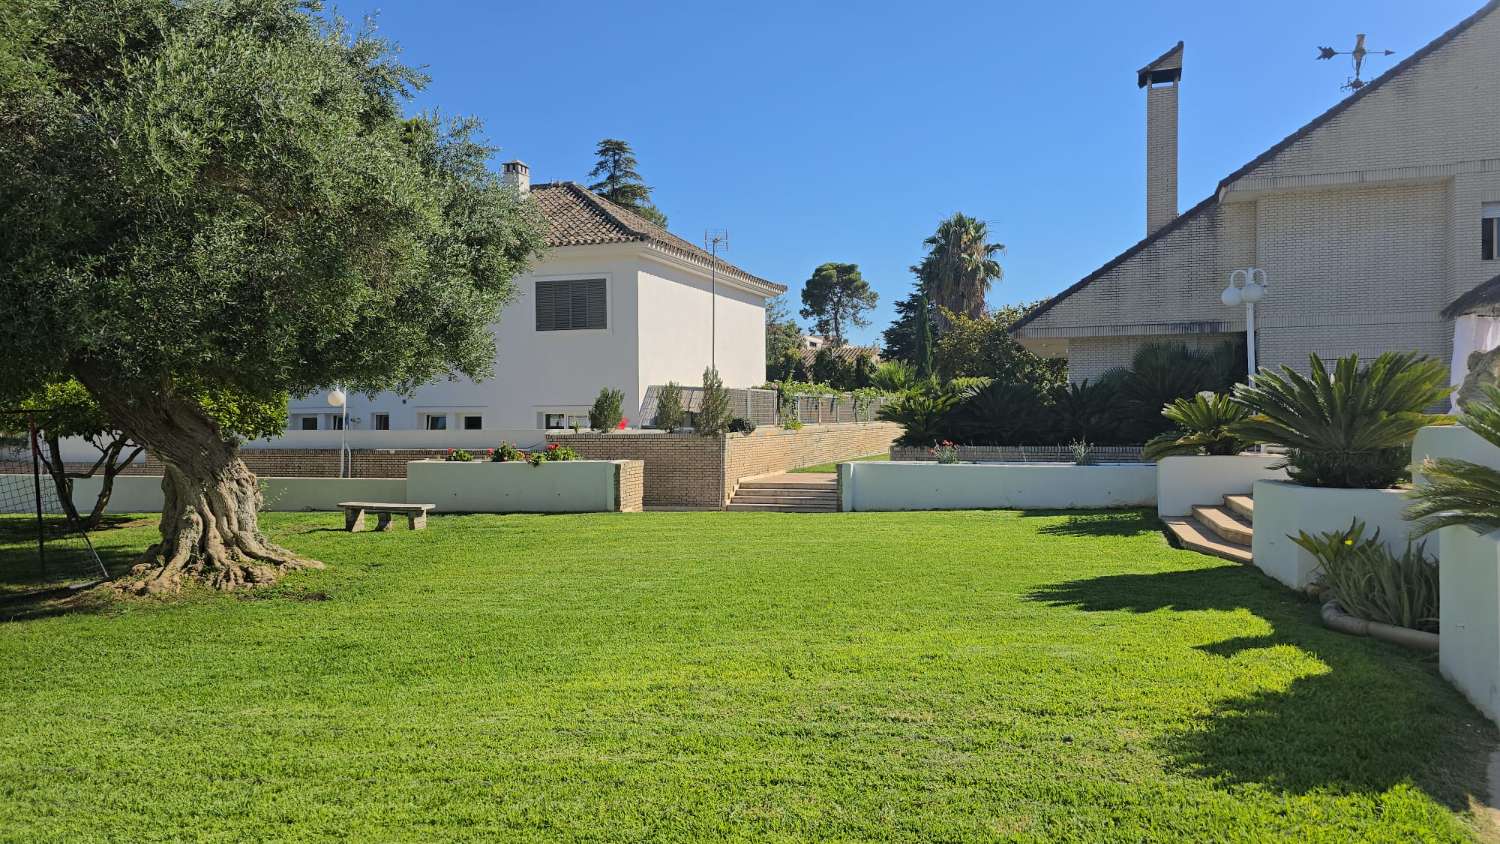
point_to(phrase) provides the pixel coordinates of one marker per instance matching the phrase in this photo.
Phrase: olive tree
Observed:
(212, 204)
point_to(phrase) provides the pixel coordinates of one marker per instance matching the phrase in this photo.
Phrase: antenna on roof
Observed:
(714, 241)
(1357, 56)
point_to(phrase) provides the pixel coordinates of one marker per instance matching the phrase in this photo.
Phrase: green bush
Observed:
(606, 413)
(1350, 428)
(741, 425)
(1000, 414)
(924, 415)
(1162, 373)
(669, 415)
(1371, 583)
(506, 453)
(458, 455)
(1084, 411)
(894, 376)
(713, 414)
(1203, 427)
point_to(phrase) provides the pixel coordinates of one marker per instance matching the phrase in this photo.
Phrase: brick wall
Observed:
(1023, 453)
(631, 486)
(686, 470)
(284, 463)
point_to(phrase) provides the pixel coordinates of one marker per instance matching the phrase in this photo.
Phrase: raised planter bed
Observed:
(1469, 620)
(576, 486)
(877, 486)
(1183, 482)
(1283, 508)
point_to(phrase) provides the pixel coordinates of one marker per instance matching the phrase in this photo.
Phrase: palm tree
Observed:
(960, 267)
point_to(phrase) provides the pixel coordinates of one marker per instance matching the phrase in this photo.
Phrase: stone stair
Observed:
(787, 493)
(1222, 530)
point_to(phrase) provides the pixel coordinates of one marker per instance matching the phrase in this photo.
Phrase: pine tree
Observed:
(620, 183)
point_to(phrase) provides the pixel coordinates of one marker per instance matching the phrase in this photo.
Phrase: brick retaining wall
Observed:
(285, 462)
(1022, 453)
(686, 470)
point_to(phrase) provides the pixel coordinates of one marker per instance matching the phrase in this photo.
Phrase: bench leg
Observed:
(416, 521)
(354, 520)
(382, 521)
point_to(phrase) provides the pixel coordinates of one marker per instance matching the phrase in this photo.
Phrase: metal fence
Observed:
(763, 406)
(1023, 453)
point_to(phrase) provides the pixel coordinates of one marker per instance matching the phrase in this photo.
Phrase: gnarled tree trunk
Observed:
(210, 531)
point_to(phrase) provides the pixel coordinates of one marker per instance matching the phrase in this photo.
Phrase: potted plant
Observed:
(1347, 435)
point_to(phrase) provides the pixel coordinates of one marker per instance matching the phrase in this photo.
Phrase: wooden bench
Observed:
(354, 514)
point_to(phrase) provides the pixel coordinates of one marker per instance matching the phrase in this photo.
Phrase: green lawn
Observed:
(834, 467)
(727, 676)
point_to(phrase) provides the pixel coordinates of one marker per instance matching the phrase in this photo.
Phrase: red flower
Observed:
(623, 420)
(552, 447)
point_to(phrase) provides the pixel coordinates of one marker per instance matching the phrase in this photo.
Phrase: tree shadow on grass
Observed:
(1379, 717)
(63, 577)
(1097, 523)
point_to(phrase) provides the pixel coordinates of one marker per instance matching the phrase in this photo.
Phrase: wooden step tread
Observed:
(1242, 506)
(1193, 536)
(1225, 524)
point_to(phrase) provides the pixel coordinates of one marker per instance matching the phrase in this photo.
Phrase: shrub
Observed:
(1000, 414)
(1458, 492)
(924, 415)
(458, 455)
(1084, 411)
(669, 415)
(945, 452)
(1371, 583)
(1351, 428)
(741, 425)
(1083, 453)
(1204, 425)
(556, 453)
(506, 453)
(713, 414)
(1162, 373)
(894, 376)
(606, 413)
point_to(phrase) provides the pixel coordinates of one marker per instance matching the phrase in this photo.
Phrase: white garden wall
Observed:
(142, 493)
(1183, 482)
(879, 486)
(1469, 615)
(1283, 508)
(579, 486)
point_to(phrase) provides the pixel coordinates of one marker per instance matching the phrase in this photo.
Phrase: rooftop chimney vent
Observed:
(1160, 79)
(517, 175)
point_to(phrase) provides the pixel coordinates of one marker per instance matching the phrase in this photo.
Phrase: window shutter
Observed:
(571, 305)
(546, 303)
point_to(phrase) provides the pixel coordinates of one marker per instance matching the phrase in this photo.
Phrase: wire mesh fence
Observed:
(38, 542)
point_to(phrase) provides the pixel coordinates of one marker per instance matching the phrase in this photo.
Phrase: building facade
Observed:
(1368, 223)
(616, 302)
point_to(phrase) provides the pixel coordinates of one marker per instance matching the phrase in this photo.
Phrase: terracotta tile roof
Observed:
(1280, 146)
(576, 216)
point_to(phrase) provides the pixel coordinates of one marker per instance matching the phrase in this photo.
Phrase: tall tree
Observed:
(190, 247)
(926, 346)
(783, 340)
(836, 298)
(620, 183)
(900, 341)
(983, 347)
(959, 267)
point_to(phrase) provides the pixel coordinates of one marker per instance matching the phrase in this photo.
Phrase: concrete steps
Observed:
(1221, 530)
(787, 493)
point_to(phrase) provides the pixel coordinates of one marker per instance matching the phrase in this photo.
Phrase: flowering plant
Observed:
(506, 453)
(458, 455)
(945, 452)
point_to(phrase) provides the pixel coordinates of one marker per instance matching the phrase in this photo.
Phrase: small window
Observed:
(380, 421)
(570, 305)
(437, 423)
(473, 423)
(309, 423)
(335, 422)
(552, 421)
(578, 421)
(1489, 231)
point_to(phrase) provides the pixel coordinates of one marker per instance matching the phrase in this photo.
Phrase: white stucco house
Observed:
(1373, 224)
(615, 302)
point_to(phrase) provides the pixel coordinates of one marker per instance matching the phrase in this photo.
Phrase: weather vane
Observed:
(1354, 83)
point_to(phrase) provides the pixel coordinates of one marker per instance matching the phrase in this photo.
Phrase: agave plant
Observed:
(1204, 425)
(1458, 492)
(1372, 583)
(1349, 428)
(924, 415)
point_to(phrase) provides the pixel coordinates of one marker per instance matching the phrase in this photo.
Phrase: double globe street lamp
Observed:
(1246, 287)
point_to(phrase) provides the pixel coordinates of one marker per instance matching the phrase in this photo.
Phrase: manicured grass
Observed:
(834, 467)
(712, 676)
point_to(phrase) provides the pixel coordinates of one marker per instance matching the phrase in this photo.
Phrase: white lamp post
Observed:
(1246, 287)
(336, 398)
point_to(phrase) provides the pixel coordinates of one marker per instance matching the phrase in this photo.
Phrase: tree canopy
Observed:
(619, 181)
(983, 347)
(836, 298)
(211, 204)
(959, 267)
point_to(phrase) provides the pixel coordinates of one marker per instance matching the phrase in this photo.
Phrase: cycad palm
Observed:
(1458, 492)
(960, 266)
(1204, 425)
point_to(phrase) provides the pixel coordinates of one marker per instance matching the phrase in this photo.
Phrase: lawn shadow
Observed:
(62, 577)
(1097, 523)
(1379, 717)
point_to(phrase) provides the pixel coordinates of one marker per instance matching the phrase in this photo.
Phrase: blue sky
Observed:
(845, 132)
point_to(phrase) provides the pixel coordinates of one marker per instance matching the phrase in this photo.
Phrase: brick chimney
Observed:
(1160, 79)
(517, 175)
